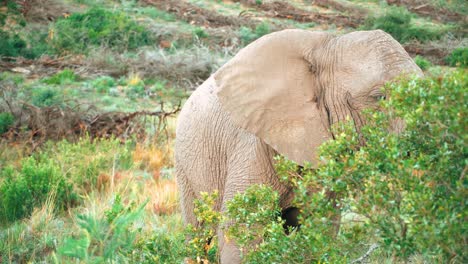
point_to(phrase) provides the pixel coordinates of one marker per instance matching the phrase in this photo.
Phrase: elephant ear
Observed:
(270, 89)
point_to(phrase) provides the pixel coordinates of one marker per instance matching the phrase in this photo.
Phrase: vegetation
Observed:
(6, 120)
(88, 96)
(422, 62)
(458, 58)
(404, 191)
(398, 22)
(98, 27)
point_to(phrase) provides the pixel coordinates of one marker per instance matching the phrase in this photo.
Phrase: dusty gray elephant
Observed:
(278, 95)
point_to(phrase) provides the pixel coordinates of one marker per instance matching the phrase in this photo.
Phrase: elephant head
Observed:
(289, 87)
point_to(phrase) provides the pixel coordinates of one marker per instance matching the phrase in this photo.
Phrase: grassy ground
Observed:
(64, 77)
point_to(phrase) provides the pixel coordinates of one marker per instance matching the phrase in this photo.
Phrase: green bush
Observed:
(103, 84)
(422, 62)
(37, 181)
(6, 120)
(45, 96)
(202, 240)
(66, 76)
(200, 32)
(162, 247)
(406, 192)
(248, 35)
(98, 27)
(458, 58)
(397, 21)
(13, 45)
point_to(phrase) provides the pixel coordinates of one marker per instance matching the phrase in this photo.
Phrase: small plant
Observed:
(422, 62)
(458, 58)
(45, 96)
(66, 76)
(103, 84)
(6, 120)
(200, 32)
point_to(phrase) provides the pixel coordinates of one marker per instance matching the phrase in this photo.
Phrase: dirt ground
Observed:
(199, 16)
(424, 8)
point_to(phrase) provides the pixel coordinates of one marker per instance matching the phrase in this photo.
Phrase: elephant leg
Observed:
(229, 252)
(187, 196)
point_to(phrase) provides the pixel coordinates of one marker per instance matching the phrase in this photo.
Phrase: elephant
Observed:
(277, 96)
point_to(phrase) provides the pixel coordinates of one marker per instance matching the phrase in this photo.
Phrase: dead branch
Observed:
(366, 255)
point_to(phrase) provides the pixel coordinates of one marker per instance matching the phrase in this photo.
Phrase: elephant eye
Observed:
(379, 96)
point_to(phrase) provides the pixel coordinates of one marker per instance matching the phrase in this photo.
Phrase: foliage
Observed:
(200, 32)
(162, 247)
(253, 217)
(248, 35)
(37, 181)
(66, 76)
(103, 84)
(407, 190)
(6, 120)
(458, 58)
(104, 239)
(202, 244)
(397, 21)
(422, 62)
(82, 162)
(13, 45)
(98, 27)
(43, 96)
(33, 238)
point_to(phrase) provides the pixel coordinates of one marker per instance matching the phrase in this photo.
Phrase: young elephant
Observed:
(278, 95)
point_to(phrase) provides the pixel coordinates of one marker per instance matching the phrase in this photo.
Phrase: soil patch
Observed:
(43, 11)
(424, 8)
(280, 9)
(357, 12)
(199, 16)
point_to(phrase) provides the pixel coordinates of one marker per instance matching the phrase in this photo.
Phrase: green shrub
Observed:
(63, 77)
(397, 21)
(406, 191)
(203, 244)
(13, 45)
(98, 27)
(162, 247)
(6, 120)
(200, 32)
(103, 84)
(45, 96)
(422, 62)
(31, 186)
(248, 35)
(458, 58)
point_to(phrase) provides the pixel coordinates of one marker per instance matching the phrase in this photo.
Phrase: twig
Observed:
(366, 255)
